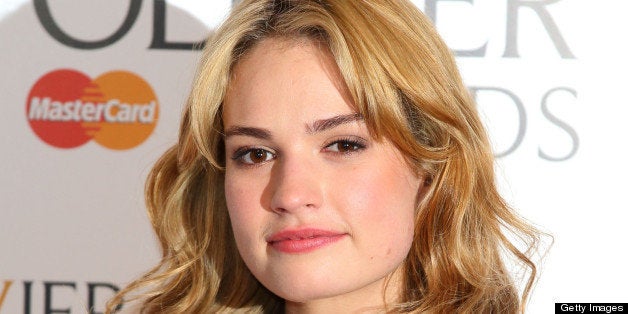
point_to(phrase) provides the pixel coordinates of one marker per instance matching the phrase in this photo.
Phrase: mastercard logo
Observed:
(66, 109)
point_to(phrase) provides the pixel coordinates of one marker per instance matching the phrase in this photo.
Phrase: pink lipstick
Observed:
(303, 240)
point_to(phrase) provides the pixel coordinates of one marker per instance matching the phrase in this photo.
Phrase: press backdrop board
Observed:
(548, 75)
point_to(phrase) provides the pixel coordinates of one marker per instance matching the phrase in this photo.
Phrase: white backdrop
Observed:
(548, 75)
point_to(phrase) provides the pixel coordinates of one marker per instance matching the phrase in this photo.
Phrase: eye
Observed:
(345, 146)
(253, 156)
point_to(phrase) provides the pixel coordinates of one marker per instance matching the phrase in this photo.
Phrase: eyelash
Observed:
(355, 144)
(246, 153)
(243, 153)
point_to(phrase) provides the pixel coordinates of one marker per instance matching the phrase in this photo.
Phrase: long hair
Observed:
(404, 81)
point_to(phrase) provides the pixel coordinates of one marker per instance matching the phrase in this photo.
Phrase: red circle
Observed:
(51, 108)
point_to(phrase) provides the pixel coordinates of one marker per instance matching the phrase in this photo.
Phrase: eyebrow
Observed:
(316, 127)
(248, 131)
(325, 124)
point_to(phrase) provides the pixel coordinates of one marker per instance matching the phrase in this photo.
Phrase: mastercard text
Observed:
(113, 111)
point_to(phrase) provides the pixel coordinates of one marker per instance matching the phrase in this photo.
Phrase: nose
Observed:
(295, 186)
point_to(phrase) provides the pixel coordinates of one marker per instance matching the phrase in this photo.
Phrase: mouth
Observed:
(303, 240)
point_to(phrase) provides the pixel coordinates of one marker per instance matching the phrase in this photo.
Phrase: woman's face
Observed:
(320, 210)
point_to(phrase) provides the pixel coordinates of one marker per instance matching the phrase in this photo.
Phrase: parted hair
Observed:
(404, 82)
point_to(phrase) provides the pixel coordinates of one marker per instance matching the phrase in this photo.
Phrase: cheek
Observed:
(241, 201)
(383, 205)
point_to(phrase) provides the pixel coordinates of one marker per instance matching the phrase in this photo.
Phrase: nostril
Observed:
(279, 210)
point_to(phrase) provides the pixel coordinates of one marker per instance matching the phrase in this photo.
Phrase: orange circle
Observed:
(127, 107)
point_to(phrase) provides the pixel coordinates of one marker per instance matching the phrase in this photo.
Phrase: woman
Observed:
(330, 160)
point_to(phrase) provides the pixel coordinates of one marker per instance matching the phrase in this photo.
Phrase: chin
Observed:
(305, 287)
(307, 294)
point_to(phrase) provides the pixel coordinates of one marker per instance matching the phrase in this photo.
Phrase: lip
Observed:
(303, 240)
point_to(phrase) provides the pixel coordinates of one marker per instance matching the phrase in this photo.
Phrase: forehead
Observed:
(292, 77)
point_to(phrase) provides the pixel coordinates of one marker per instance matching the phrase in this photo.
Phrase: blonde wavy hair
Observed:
(405, 83)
